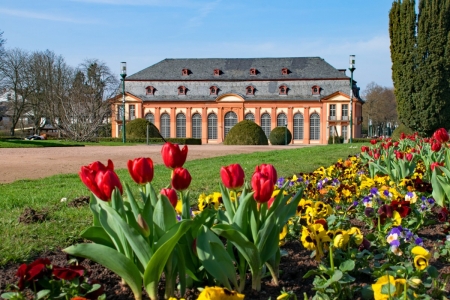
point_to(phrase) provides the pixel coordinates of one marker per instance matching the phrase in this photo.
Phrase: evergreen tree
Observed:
(421, 63)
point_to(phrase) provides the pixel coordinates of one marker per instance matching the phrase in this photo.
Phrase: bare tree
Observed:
(83, 109)
(15, 76)
(380, 106)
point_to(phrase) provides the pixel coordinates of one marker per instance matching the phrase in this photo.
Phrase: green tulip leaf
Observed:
(113, 230)
(130, 198)
(112, 260)
(241, 216)
(164, 216)
(136, 241)
(240, 241)
(438, 192)
(226, 199)
(97, 235)
(215, 258)
(159, 259)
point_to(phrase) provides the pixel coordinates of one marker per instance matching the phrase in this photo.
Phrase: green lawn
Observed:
(64, 224)
(21, 143)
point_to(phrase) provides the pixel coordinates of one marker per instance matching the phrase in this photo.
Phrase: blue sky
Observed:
(143, 32)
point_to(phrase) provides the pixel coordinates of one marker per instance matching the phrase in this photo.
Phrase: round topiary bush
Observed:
(138, 129)
(280, 136)
(246, 132)
(401, 129)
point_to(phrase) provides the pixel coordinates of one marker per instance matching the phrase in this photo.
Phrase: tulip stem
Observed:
(331, 258)
(185, 211)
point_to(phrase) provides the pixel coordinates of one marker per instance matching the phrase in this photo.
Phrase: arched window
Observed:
(165, 125)
(196, 126)
(250, 117)
(281, 120)
(298, 126)
(230, 121)
(314, 128)
(150, 117)
(181, 125)
(212, 127)
(265, 123)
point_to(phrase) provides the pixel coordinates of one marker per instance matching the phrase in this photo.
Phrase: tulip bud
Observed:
(268, 170)
(143, 226)
(100, 179)
(181, 179)
(409, 156)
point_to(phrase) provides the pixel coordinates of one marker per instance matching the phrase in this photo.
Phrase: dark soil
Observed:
(292, 268)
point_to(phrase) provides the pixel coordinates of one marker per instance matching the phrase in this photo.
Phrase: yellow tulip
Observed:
(218, 293)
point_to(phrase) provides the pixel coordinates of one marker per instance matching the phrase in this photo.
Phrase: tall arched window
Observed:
(150, 117)
(314, 128)
(196, 126)
(165, 125)
(265, 123)
(250, 117)
(212, 127)
(230, 121)
(298, 126)
(281, 120)
(181, 125)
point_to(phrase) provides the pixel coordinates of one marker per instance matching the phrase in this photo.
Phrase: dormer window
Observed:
(150, 90)
(185, 72)
(181, 90)
(217, 72)
(315, 90)
(253, 71)
(284, 71)
(283, 89)
(213, 90)
(250, 90)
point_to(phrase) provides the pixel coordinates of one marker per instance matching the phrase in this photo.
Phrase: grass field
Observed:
(63, 223)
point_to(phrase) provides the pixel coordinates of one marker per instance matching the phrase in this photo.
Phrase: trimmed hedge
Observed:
(138, 129)
(337, 140)
(246, 132)
(401, 129)
(279, 135)
(181, 141)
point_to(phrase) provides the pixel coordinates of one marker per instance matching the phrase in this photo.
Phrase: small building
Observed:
(205, 98)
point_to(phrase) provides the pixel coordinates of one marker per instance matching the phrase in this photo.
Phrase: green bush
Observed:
(337, 140)
(246, 132)
(181, 141)
(280, 136)
(138, 129)
(402, 128)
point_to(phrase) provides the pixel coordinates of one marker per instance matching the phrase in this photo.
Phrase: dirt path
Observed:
(34, 163)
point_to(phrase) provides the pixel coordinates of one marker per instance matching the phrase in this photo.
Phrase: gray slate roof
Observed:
(239, 69)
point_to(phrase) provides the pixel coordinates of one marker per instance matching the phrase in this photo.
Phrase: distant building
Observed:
(205, 98)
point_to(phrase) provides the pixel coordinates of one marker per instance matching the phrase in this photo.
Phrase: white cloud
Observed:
(42, 16)
(204, 11)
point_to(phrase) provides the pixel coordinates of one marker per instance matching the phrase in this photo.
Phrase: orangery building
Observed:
(205, 98)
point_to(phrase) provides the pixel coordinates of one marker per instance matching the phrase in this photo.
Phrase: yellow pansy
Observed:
(322, 210)
(341, 240)
(218, 293)
(387, 279)
(396, 218)
(179, 207)
(283, 234)
(421, 257)
(357, 236)
(294, 178)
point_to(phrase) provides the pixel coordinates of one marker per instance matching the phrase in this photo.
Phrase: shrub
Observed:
(138, 129)
(180, 141)
(280, 136)
(246, 132)
(337, 140)
(401, 129)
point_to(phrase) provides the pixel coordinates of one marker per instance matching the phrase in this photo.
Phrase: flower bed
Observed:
(363, 221)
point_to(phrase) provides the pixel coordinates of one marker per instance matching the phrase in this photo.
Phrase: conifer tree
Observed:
(421, 63)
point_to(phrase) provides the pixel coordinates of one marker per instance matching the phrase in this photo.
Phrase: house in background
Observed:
(205, 98)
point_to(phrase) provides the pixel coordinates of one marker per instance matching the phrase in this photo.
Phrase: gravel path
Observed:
(34, 163)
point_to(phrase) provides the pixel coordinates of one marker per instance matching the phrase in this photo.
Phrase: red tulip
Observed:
(398, 154)
(376, 155)
(181, 179)
(409, 156)
(373, 142)
(441, 135)
(171, 194)
(435, 164)
(364, 149)
(232, 176)
(268, 170)
(396, 144)
(172, 156)
(435, 146)
(141, 170)
(263, 187)
(100, 179)
(402, 136)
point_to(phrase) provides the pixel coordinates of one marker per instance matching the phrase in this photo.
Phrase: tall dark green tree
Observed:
(420, 49)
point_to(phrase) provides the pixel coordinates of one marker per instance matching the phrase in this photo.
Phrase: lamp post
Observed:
(352, 68)
(123, 74)
(285, 133)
